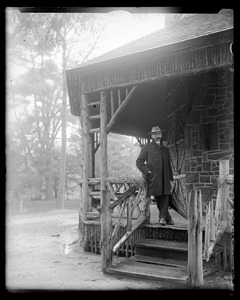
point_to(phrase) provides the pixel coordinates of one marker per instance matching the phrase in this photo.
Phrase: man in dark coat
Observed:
(154, 162)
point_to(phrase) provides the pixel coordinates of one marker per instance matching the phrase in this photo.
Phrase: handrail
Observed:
(218, 221)
(130, 205)
(129, 233)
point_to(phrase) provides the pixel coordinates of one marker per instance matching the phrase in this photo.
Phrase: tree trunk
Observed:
(49, 186)
(55, 187)
(62, 171)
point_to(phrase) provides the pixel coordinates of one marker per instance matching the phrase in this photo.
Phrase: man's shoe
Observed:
(162, 221)
(169, 222)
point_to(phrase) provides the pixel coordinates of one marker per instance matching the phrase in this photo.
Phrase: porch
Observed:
(186, 88)
(140, 247)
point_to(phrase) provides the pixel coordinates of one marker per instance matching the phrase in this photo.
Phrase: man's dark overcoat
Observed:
(156, 158)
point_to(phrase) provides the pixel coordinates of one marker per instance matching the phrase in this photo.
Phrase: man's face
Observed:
(157, 135)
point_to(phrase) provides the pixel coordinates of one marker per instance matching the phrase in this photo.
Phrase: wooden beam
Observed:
(121, 107)
(106, 220)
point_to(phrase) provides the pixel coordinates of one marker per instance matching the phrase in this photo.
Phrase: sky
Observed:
(123, 27)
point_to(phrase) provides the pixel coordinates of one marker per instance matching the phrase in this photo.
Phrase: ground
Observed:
(38, 258)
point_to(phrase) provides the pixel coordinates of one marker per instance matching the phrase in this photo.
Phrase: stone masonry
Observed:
(209, 130)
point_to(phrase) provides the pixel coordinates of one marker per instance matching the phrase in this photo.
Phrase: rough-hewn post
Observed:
(129, 222)
(85, 157)
(146, 204)
(195, 269)
(224, 209)
(106, 221)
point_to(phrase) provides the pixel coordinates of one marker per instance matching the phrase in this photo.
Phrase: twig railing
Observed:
(131, 203)
(218, 224)
(219, 217)
(117, 188)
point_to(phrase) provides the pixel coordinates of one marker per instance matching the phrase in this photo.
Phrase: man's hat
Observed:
(156, 129)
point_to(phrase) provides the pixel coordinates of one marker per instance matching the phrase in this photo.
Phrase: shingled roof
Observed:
(188, 28)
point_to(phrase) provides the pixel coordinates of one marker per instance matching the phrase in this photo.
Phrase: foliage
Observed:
(42, 43)
(122, 155)
(41, 47)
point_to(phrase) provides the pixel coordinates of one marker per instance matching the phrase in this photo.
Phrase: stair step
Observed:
(162, 248)
(130, 267)
(155, 268)
(160, 261)
(163, 244)
(208, 267)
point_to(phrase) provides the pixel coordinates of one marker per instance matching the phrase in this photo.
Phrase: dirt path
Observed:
(36, 258)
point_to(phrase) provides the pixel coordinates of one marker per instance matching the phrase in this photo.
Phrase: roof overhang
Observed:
(212, 38)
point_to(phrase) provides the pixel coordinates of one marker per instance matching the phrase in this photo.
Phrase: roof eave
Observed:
(113, 60)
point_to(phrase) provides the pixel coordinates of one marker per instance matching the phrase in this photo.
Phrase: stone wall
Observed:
(209, 130)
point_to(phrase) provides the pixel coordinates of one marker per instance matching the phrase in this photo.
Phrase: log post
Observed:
(85, 157)
(199, 262)
(207, 234)
(119, 97)
(105, 219)
(224, 208)
(195, 269)
(129, 222)
(112, 103)
(146, 204)
(212, 223)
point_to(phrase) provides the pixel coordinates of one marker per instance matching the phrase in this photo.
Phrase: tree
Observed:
(40, 40)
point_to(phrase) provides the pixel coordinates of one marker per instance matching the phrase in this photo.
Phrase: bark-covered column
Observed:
(106, 222)
(84, 205)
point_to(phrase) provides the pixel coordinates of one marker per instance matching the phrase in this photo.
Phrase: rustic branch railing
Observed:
(119, 189)
(130, 203)
(218, 224)
(218, 219)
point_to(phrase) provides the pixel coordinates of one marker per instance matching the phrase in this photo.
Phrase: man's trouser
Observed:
(162, 205)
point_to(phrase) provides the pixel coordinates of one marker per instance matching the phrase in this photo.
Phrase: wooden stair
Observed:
(161, 260)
